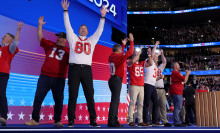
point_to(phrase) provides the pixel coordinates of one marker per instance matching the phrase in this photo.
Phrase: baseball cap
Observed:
(61, 34)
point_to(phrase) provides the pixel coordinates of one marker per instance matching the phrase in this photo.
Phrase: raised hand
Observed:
(131, 37)
(65, 4)
(157, 42)
(41, 20)
(124, 41)
(20, 24)
(103, 11)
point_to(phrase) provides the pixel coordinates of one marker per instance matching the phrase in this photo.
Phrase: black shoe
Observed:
(180, 125)
(118, 125)
(168, 125)
(71, 124)
(94, 124)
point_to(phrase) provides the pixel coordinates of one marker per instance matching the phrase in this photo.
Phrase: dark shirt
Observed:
(188, 94)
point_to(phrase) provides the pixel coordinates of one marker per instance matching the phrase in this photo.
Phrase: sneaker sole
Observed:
(94, 126)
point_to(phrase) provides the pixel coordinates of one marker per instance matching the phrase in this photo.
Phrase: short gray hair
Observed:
(116, 47)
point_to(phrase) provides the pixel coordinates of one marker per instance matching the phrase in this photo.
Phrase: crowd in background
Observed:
(187, 34)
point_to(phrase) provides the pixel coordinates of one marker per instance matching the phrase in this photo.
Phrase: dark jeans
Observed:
(115, 84)
(188, 111)
(150, 94)
(3, 99)
(80, 73)
(177, 102)
(45, 83)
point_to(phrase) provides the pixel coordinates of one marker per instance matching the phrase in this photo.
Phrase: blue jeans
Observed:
(46, 83)
(177, 102)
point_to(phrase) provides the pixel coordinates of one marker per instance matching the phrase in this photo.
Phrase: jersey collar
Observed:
(82, 38)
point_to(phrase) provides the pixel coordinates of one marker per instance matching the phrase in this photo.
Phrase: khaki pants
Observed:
(136, 94)
(162, 105)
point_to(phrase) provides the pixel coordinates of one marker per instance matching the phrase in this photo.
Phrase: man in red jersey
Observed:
(136, 88)
(116, 61)
(176, 91)
(8, 49)
(53, 74)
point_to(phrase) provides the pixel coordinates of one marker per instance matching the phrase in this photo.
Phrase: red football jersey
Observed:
(136, 72)
(117, 61)
(56, 60)
(6, 58)
(176, 87)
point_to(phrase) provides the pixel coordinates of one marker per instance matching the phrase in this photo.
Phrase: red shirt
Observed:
(200, 90)
(176, 87)
(136, 72)
(56, 61)
(117, 61)
(6, 58)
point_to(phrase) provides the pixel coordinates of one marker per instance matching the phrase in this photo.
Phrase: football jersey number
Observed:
(139, 71)
(112, 68)
(159, 73)
(58, 57)
(155, 73)
(83, 47)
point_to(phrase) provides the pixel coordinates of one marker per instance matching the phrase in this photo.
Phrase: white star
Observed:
(125, 118)
(103, 118)
(51, 105)
(21, 116)
(22, 102)
(98, 108)
(80, 118)
(80, 107)
(50, 117)
(11, 102)
(98, 118)
(42, 116)
(103, 108)
(122, 118)
(108, 109)
(42, 105)
(125, 111)
(66, 117)
(86, 108)
(30, 116)
(121, 110)
(10, 116)
(86, 118)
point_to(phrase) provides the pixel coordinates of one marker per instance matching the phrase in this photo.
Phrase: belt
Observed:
(159, 88)
(81, 65)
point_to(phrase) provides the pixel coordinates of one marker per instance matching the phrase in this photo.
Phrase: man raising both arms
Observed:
(80, 60)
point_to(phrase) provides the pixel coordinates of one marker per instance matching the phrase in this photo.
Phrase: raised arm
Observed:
(149, 61)
(187, 75)
(14, 44)
(95, 37)
(164, 61)
(131, 49)
(134, 59)
(69, 30)
(40, 28)
(154, 49)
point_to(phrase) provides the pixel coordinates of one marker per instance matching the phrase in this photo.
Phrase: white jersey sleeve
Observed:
(71, 36)
(95, 37)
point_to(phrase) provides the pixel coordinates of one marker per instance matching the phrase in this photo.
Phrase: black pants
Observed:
(188, 111)
(115, 84)
(150, 94)
(45, 83)
(80, 73)
(3, 99)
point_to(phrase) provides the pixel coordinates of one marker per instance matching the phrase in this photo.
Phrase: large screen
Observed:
(26, 65)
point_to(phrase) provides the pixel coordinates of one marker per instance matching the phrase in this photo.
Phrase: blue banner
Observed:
(168, 71)
(114, 7)
(182, 45)
(175, 12)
